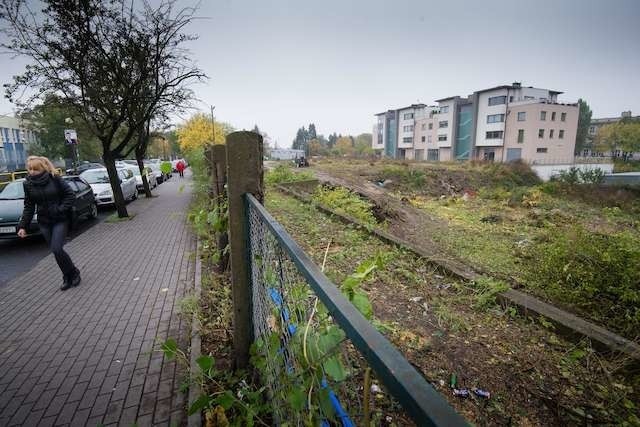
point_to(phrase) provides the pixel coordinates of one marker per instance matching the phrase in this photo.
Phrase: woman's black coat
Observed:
(52, 196)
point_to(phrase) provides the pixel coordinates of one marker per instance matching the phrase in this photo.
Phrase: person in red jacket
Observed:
(180, 167)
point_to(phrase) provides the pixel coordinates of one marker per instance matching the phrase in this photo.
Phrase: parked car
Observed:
(155, 170)
(151, 179)
(12, 205)
(84, 167)
(98, 179)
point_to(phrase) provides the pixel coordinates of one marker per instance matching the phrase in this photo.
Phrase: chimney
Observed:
(516, 84)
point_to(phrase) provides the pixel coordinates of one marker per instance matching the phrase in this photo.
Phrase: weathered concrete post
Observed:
(219, 194)
(244, 174)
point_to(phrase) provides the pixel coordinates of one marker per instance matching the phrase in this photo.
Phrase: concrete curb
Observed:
(195, 420)
(569, 325)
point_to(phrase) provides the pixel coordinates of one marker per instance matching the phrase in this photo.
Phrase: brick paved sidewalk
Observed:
(86, 356)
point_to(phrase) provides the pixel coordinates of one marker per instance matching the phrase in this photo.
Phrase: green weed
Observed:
(346, 202)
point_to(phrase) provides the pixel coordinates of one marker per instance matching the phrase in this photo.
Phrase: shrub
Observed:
(596, 272)
(283, 173)
(592, 176)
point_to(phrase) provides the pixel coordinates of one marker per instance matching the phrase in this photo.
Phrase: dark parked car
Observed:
(84, 167)
(12, 204)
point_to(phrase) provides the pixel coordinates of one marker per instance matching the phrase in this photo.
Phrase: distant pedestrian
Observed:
(52, 198)
(180, 168)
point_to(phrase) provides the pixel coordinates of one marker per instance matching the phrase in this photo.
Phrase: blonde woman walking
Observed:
(52, 198)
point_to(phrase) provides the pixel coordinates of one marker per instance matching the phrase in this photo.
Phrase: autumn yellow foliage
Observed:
(197, 131)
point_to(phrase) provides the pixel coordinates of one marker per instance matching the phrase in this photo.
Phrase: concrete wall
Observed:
(402, 122)
(448, 116)
(558, 150)
(484, 110)
(545, 172)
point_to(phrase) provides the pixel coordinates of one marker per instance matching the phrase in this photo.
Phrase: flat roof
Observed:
(403, 108)
(446, 99)
(516, 87)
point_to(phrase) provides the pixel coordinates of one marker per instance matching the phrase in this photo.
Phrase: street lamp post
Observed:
(74, 147)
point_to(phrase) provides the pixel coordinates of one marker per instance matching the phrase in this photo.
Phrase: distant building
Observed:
(286, 154)
(502, 123)
(594, 128)
(14, 143)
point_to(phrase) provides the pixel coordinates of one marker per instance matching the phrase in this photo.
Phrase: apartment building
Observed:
(594, 128)
(14, 143)
(502, 123)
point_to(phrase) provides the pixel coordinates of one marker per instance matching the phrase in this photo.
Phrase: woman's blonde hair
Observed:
(41, 164)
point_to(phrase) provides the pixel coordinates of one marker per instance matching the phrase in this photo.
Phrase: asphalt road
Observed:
(20, 255)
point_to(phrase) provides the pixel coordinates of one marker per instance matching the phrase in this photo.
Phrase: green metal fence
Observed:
(313, 347)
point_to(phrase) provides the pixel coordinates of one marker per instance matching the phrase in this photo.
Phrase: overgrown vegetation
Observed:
(345, 202)
(444, 326)
(596, 272)
(284, 173)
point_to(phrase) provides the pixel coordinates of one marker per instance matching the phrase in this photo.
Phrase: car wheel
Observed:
(93, 211)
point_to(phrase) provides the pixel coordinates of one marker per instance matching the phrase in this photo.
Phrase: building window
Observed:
(550, 133)
(540, 133)
(408, 116)
(408, 128)
(541, 150)
(442, 137)
(592, 130)
(407, 139)
(423, 138)
(563, 117)
(553, 116)
(495, 118)
(543, 115)
(429, 139)
(528, 98)
(522, 116)
(443, 124)
(520, 136)
(496, 134)
(489, 156)
(511, 99)
(497, 100)
(561, 134)
(444, 109)
(424, 126)
(430, 126)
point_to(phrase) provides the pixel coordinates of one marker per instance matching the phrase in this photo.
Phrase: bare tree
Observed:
(104, 59)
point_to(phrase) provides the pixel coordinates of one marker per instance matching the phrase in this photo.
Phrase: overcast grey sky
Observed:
(283, 64)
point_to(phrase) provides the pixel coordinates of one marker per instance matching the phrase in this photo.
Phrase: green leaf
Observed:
(202, 402)
(334, 369)
(205, 363)
(297, 398)
(361, 302)
(225, 400)
(170, 348)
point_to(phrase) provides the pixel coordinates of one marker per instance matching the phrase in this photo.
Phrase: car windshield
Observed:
(136, 171)
(13, 191)
(96, 177)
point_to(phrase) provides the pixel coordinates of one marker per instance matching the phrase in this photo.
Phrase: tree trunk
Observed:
(141, 149)
(114, 179)
(145, 182)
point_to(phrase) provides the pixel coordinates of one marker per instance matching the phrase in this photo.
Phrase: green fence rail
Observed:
(313, 347)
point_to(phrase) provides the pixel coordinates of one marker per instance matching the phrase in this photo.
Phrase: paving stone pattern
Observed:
(88, 355)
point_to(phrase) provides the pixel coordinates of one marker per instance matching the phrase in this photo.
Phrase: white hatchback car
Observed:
(98, 179)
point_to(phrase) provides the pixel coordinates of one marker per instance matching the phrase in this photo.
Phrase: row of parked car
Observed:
(91, 186)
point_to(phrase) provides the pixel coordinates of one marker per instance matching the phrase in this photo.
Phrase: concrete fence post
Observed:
(244, 175)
